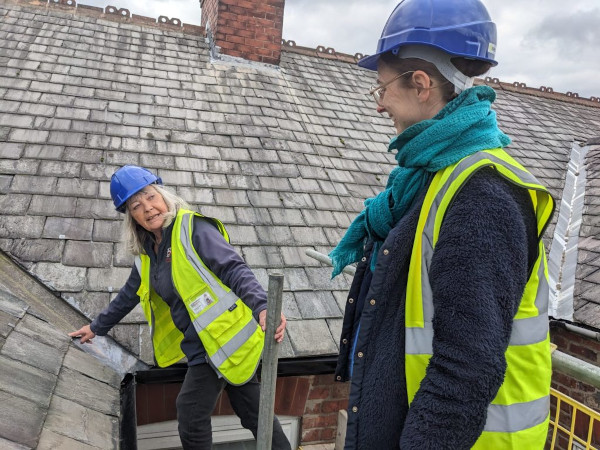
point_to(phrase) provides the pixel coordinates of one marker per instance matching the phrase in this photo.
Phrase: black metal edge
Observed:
(128, 419)
(320, 365)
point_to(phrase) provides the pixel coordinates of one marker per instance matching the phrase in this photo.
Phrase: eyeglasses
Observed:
(378, 91)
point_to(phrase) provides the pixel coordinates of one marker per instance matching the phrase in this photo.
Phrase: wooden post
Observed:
(269, 364)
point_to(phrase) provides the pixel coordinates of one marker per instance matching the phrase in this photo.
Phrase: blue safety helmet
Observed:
(458, 27)
(128, 180)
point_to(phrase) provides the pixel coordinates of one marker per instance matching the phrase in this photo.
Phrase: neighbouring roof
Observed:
(587, 283)
(284, 156)
(53, 394)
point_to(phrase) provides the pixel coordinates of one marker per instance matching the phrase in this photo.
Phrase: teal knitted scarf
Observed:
(464, 126)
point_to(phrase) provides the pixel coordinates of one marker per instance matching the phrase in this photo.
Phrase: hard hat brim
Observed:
(369, 62)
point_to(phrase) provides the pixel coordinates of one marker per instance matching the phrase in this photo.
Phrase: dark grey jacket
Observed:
(218, 255)
(485, 251)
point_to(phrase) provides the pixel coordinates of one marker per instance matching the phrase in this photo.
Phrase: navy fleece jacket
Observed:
(480, 266)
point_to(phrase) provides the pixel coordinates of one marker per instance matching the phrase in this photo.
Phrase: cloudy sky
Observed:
(551, 43)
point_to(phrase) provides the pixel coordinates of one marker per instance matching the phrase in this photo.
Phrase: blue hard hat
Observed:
(458, 27)
(128, 180)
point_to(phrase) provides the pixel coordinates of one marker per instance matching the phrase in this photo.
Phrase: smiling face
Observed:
(411, 98)
(400, 100)
(148, 209)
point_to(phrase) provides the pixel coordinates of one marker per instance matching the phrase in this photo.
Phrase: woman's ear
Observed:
(422, 83)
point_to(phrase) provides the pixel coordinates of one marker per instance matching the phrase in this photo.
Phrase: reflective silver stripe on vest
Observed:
(138, 265)
(206, 276)
(531, 330)
(518, 416)
(419, 341)
(233, 344)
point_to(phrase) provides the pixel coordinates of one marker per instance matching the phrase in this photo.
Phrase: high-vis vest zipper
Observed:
(518, 416)
(232, 338)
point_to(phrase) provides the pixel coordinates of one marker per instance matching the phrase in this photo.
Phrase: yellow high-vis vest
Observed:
(232, 338)
(518, 416)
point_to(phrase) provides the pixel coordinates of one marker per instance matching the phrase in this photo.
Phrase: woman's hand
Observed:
(262, 320)
(85, 334)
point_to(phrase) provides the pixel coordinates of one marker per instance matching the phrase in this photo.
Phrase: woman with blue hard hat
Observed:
(445, 334)
(201, 300)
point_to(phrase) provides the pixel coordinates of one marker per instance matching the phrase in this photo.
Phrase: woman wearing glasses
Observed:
(445, 336)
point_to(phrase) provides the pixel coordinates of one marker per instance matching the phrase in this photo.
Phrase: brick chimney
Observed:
(249, 29)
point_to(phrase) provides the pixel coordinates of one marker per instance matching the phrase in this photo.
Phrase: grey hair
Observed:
(135, 235)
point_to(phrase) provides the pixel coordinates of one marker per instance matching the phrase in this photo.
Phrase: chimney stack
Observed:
(249, 29)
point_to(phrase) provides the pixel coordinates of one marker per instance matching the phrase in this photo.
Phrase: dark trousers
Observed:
(198, 397)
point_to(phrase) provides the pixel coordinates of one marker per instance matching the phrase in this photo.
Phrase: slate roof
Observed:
(284, 156)
(587, 285)
(53, 395)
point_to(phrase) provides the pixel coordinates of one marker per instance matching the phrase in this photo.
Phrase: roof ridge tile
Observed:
(115, 14)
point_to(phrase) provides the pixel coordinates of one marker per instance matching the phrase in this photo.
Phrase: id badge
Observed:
(201, 303)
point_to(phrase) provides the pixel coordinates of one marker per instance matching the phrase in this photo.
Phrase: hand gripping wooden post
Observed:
(269, 364)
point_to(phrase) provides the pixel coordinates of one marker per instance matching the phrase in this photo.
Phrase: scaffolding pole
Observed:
(269, 364)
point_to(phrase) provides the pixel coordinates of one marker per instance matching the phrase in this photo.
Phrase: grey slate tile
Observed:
(65, 417)
(253, 216)
(335, 327)
(91, 393)
(25, 381)
(224, 213)
(255, 168)
(20, 421)
(87, 254)
(106, 230)
(273, 235)
(297, 200)
(11, 305)
(16, 204)
(243, 182)
(49, 250)
(231, 198)
(60, 277)
(274, 184)
(50, 441)
(61, 169)
(107, 279)
(128, 335)
(11, 150)
(5, 181)
(289, 307)
(310, 337)
(50, 205)
(77, 187)
(318, 218)
(21, 166)
(89, 303)
(281, 216)
(21, 226)
(95, 170)
(67, 228)
(20, 347)
(317, 305)
(44, 332)
(7, 324)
